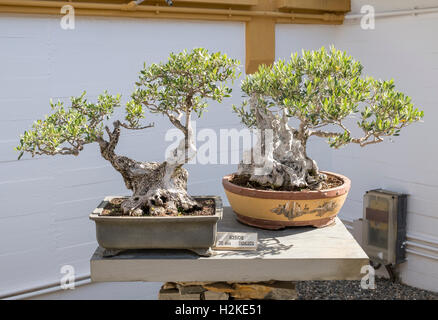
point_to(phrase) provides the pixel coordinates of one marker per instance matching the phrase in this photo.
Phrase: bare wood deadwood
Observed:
(284, 162)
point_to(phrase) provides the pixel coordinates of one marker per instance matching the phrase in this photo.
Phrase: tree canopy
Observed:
(182, 85)
(325, 87)
(67, 130)
(174, 88)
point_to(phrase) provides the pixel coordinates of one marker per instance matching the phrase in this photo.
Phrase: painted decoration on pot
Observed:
(293, 209)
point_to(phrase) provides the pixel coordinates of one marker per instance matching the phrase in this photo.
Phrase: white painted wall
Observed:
(402, 48)
(46, 200)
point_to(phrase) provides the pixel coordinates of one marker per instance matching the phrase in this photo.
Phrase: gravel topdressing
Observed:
(351, 290)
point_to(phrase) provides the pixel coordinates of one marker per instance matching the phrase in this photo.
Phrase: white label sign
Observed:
(236, 241)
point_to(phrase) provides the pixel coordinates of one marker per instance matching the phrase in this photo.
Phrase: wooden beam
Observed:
(223, 2)
(320, 5)
(260, 16)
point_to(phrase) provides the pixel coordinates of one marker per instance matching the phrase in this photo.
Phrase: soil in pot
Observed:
(207, 209)
(243, 181)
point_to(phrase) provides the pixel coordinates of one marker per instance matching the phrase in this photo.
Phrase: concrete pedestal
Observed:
(294, 254)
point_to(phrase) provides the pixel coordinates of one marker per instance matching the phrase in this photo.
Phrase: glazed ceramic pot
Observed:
(146, 232)
(270, 209)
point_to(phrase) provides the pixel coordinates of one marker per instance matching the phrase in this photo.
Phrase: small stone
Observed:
(169, 285)
(174, 294)
(250, 291)
(191, 296)
(270, 290)
(210, 295)
(219, 287)
(282, 291)
(188, 289)
(193, 283)
(110, 252)
(137, 212)
(169, 294)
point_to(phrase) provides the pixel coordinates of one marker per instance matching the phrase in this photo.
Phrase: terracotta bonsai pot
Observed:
(279, 209)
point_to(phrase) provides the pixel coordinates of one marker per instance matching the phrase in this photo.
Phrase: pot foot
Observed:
(203, 252)
(324, 223)
(259, 223)
(278, 225)
(107, 253)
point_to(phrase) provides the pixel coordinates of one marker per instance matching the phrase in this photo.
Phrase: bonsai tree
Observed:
(176, 89)
(321, 90)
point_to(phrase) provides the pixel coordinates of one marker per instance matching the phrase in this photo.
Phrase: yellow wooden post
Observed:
(260, 37)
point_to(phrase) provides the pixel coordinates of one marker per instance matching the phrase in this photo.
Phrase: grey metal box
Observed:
(384, 226)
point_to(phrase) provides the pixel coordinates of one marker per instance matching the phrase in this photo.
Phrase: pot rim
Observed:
(95, 215)
(289, 195)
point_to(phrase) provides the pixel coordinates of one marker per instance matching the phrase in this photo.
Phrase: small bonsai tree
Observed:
(177, 89)
(321, 90)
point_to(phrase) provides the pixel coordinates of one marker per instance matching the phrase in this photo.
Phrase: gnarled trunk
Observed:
(158, 188)
(279, 158)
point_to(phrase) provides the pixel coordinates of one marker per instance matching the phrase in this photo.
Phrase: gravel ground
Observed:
(351, 290)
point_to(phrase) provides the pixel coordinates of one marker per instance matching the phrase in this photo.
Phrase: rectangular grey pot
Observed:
(182, 232)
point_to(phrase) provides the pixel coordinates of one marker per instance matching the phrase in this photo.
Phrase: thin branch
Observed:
(176, 121)
(124, 125)
(324, 134)
(363, 141)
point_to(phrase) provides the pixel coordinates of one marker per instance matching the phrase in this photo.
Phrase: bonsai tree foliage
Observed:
(177, 89)
(321, 90)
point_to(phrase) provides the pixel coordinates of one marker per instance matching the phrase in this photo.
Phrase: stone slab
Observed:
(293, 254)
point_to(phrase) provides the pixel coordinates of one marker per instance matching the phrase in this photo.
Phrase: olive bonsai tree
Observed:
(176, 89)
(323, 91)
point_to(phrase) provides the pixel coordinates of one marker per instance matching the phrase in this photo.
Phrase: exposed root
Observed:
(160, 202)
(279, 159)
(159, 189)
